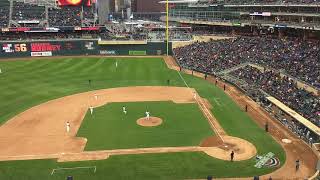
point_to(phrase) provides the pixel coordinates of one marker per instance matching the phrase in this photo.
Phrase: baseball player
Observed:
(0, 71)
(68, 127)
(96, 96)
(91, 110)
(297, 164)
(124, 110)
(148, 115)
(116, 64)
(232, 156)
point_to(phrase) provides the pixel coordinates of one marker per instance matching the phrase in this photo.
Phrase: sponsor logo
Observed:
(138, 53)
(89, 46)
(267, 160)
(7, 48)
(10, 48)
(47, 53)
(29, 22)
(106, 52)
(44, 47)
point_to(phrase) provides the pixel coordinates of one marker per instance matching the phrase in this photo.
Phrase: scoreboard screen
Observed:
(74, 2)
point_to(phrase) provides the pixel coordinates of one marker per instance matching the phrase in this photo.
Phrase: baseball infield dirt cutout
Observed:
(243, 149)
(151, 122)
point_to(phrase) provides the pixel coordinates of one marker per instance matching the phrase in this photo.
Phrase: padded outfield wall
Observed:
(79, 47)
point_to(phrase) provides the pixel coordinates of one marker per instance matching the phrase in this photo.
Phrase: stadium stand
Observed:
(4, 13)
(69, 16)
(24, 11)
(297, 58)
(283, 61)
(284, 89)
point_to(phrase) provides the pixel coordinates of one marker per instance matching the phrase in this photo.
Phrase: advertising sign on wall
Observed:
(14, 47)
(42, 47)
(137, 53)
(106, 52)
(38, 54)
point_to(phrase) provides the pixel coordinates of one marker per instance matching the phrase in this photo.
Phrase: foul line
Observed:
(81, 167)
(203, 108)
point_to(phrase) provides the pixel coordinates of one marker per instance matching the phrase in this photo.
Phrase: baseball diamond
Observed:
(159, 89)
(56, 124)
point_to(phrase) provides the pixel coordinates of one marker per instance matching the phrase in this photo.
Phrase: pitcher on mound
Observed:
(147, 115)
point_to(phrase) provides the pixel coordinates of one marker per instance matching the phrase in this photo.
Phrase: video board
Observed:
(74, 2)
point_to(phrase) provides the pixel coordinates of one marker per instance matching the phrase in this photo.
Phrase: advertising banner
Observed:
(38, 54)
(14, 47)
(106, 52)
(137, 53)
(74, 2)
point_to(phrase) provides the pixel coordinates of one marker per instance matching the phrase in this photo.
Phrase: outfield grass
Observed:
(110, 128)
(28, 83)
(169, 166)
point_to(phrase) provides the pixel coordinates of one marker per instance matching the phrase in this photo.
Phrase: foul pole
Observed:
(167, 26)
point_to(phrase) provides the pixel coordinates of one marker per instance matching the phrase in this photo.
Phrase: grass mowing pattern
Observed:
(109, 128)
(28, 83)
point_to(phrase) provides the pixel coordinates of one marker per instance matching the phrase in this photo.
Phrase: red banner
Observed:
(41, 47)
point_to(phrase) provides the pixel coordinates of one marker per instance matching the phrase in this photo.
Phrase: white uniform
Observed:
(147, 115)
(68, 127)
(124, 110)
(96, 96)
(0, 71)
(194, 95)
(91, 110)
(116, 64)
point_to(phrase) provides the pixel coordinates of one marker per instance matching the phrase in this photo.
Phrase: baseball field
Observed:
(196, 124)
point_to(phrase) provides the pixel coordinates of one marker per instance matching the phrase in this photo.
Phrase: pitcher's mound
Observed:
(152, 121)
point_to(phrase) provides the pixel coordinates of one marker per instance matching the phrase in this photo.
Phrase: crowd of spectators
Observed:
(69, 16)
(4, 16)
(49, 35)
(122, 36)
(173, 36)
(297, 58)
(62, 16)
(284, 89)
(24, 11)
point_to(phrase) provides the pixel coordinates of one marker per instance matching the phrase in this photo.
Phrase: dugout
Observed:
(294, 121)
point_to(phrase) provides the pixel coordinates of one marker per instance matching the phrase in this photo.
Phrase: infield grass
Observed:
(109, 128)
(24, 84)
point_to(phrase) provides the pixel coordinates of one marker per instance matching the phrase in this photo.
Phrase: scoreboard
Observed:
(74, 2)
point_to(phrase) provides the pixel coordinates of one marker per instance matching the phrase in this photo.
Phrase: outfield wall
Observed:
(15, 49)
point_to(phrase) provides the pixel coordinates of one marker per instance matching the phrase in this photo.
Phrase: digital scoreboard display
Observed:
(74, 2)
